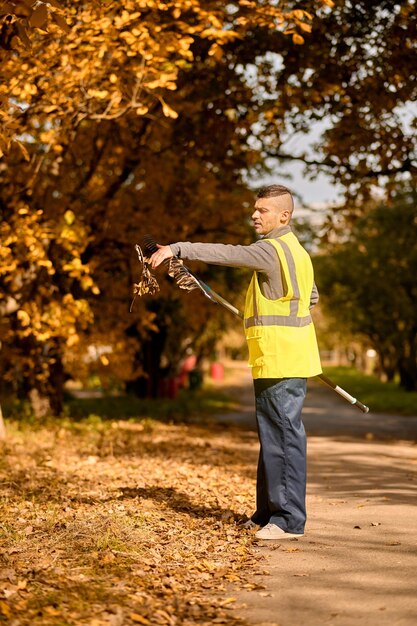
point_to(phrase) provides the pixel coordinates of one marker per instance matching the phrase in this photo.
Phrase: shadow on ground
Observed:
(325, 414)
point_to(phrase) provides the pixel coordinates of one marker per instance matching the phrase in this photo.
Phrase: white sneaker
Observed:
(272, 531)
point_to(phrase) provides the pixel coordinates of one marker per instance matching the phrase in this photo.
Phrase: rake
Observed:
(185, 279)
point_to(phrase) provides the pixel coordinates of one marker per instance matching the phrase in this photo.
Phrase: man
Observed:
(283, 353)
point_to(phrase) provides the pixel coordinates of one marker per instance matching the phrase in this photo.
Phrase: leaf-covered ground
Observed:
(123, 522)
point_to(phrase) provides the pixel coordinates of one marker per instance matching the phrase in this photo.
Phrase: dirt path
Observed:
(357, 563)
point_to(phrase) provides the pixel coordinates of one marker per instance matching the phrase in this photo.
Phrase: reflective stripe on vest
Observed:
(278, 320)
(281, 320)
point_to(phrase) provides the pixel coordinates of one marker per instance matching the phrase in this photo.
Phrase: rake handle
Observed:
(344, 394)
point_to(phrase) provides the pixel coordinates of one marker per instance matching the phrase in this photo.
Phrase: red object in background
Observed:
(172, 388)
(187, 366)
(168, 388)
(189, 363)
(217, 371)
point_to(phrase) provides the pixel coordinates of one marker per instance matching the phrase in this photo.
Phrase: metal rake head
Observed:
(181, 275)
(177, 271)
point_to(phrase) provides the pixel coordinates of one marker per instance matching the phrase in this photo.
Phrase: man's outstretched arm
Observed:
(259, 256)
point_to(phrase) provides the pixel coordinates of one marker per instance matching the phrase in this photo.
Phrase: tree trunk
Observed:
(56, 384)
(47, 398)
(149, 385)
(2, 426)
(40, 403)
(46, 403)
(408, 374)
(388, 364)
(407, 363)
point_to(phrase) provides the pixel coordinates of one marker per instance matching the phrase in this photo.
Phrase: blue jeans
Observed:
(281, 477)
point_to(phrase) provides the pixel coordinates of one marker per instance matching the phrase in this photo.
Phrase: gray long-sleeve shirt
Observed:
(260, 256)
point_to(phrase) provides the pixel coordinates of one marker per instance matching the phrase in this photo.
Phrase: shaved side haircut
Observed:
(278, 191)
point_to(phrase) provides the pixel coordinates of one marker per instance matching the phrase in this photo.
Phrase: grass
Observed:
(188, 406)
(381, 397)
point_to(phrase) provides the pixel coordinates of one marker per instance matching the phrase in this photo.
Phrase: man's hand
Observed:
(164, 252)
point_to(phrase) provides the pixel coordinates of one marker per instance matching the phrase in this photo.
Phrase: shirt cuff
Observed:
(175, 249)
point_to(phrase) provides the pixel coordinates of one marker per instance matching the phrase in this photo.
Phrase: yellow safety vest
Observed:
(280, 333)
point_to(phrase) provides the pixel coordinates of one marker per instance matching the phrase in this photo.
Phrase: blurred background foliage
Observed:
(123, 118)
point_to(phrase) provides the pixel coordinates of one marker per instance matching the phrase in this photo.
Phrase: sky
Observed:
(321, 191)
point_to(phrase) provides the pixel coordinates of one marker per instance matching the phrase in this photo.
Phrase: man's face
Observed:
(268, 216)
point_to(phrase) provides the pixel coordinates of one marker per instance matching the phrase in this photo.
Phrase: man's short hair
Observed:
(273, 191)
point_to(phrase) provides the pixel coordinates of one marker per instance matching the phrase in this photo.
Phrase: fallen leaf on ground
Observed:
(139, 619)
(293, 550)
(143, 534)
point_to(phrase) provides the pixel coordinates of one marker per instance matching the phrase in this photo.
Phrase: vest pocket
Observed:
(254, 341)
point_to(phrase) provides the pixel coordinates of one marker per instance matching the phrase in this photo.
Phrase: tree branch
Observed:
(407, 165)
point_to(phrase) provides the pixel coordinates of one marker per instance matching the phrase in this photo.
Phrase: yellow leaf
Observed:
(329, 3)
(23, 150)
(23, 317)
(69, 217)
(165, 80)
(5, 609)
(231, 114)
(86, 282)
(168, 111)
(185, 42)
(142, 110)
(154, 84)
(98, 93)
(228, 601)
(51, 610)
(72, 340)
(138, 619)
(216, 51)
(297, 39)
